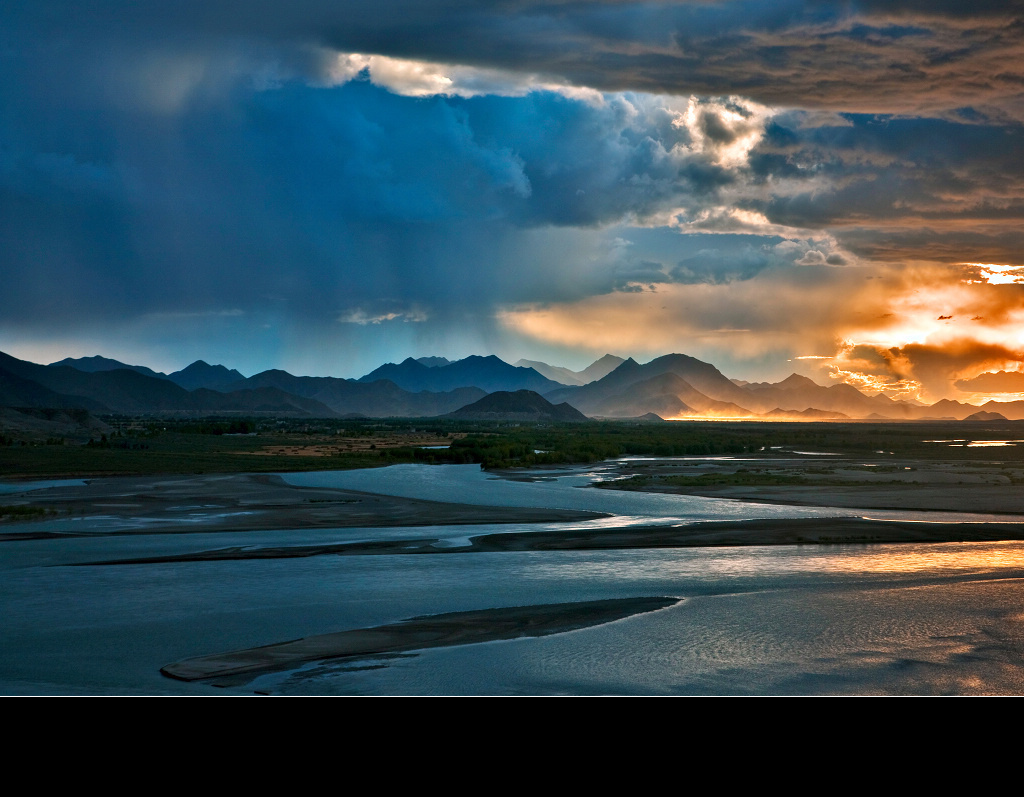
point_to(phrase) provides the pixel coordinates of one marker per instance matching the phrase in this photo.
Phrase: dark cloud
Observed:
(716, 267)
(999, 382)
(935, 241)
(639, 276)
(193, 160)
(893, 188)
(898, 57)
(323, 199)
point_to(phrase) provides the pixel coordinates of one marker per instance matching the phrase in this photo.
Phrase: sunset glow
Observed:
(996, 274)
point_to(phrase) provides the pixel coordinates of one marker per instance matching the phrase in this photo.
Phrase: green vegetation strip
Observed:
(157, 446)
(22, 512)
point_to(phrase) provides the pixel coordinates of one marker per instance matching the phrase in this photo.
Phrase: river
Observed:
(833, 619)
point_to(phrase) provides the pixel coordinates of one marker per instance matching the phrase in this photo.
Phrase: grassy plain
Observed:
(147, 446)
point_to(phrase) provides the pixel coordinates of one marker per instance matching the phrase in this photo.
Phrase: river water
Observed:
(841, 619)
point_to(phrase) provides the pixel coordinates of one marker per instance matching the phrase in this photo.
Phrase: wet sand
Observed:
(795, 531)
(417, 633)
(858, 483)
(250, 502)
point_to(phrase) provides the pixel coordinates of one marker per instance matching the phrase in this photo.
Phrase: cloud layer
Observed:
(742, 180)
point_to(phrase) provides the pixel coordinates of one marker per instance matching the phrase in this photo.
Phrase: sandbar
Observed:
(790, 531)
(416, 633)
(879, 482)
(250, 502)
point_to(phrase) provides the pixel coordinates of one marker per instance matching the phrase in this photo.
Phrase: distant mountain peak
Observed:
(433, 362)
(599, 369)
(201, 374)
(518, 405)
(98, 364)
(797, 381)
(487, 372)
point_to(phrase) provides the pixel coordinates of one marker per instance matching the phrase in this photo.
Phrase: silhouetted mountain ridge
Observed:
(97, 363)
(518, 405)
(201, 374)
(671, 386)
(487, 373)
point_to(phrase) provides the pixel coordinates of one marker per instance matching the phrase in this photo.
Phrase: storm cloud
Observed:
(387, 178)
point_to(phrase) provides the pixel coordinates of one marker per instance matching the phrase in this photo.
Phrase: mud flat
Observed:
(993, 487)
(250, 502)
(794, 531)
(417, 633)
(987, 499)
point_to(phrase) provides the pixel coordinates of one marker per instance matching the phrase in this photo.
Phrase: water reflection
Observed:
(853, 619)
(472, 485)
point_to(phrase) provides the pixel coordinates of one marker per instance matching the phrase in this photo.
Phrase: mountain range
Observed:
(672, 386)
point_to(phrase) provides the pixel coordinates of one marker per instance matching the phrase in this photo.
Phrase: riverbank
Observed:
(245, 502)
(881, 482)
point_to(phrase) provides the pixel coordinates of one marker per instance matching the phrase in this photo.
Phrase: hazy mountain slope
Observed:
(553, 372)
(121, 390)
(129, 391)
(596, 370)
(259, 400)
(1013, 410)
(947, 408)
(797, 393)
(670, 386)
(805, 415)
(381, 398)
(982, 415)
(599, 368)
(699, 376)
(667, 395)
(16, 391)
(40, 423)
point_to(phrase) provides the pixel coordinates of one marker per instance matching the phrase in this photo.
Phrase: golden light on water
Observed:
(978, 557)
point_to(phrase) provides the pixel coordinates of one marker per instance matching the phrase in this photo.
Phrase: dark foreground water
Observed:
(884, 619)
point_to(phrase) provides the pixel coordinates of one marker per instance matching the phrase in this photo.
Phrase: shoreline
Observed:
(880, 483)
(709, 534)
(928, 499)
(249, 502)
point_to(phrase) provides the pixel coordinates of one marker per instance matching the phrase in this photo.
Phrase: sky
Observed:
(831, 188)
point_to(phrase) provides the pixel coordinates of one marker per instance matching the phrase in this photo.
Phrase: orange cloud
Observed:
(909, 330)
(934, 371)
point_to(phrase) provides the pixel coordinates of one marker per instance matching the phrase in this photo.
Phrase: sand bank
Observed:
(797, 531)
(248, 502)
(417, 633)
(880, 482)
